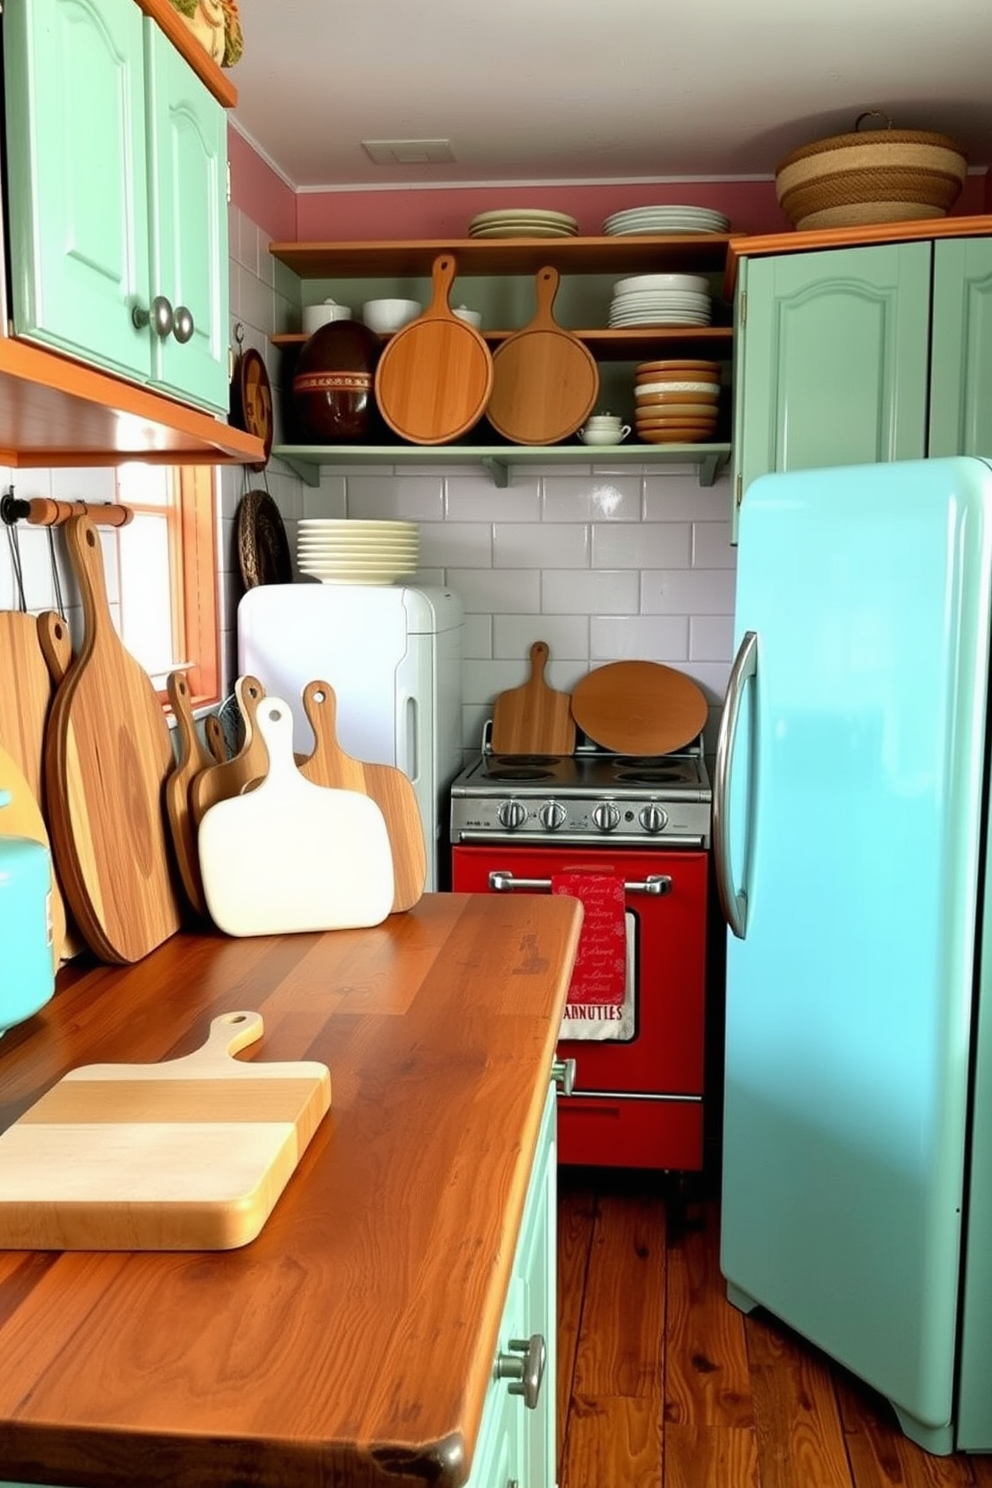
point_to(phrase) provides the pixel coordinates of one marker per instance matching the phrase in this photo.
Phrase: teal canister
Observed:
(27, 972)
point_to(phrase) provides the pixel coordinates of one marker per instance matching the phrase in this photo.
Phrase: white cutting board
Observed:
(190, 1154)
(292, 856)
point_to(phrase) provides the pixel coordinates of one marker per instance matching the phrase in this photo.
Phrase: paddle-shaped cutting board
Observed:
(290, 855)
(639, 707)
(107, 755)
(56, 648)
(533, 718)
(545, 380)
(192, 756)
(25, 694)
(22, 817)
(190, 1154)
(228, 777)
(389, 788)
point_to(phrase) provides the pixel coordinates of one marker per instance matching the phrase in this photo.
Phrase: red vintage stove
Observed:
(530, 824)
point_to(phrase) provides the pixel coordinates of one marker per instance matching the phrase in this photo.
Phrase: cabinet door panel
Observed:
(79, 244)
(832, 359)
(188, 174)
(961, 356)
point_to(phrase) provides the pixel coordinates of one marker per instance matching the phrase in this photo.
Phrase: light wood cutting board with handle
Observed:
(545, 380)
(227, 778)
(192, 757)
(25, 694)
(533, 718)
(293, 856)
(56, 647)
(22, 817)
(639, 707)
(107, 756)
(190, 1154)
(388, 787)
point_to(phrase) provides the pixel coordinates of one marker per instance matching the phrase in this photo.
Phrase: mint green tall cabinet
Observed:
(858, 354)
(117, 182)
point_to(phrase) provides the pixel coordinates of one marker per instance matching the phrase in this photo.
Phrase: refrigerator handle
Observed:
(733, 902)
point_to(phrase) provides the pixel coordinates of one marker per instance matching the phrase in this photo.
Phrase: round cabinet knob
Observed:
(512, 814)
(159, 317)
(606, 816)
(524, 1368)
(182, 324)
(653, 819)
(552, 815)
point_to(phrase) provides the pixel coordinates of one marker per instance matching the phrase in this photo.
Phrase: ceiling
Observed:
(593, 90)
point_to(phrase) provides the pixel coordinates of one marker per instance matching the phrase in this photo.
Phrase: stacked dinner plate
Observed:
(353, 552)
(646, 221)
(661, 299)
(522, 222)
(676, 401)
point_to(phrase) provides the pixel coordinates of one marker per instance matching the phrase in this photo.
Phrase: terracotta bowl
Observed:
(333, 395)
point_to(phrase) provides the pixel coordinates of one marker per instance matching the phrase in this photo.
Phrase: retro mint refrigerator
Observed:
(851, 842)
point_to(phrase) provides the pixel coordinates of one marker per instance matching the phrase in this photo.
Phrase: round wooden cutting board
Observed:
(434, 378)
(545, 380)
(639, 707)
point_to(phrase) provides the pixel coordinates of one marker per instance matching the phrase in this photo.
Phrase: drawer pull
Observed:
(502, 883)
(524, 1368)
(563, 1074)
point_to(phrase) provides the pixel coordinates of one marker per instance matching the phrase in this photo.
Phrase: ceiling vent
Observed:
(408, 151)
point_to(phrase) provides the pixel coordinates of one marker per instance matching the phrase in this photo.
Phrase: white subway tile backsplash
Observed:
(676, 495)
(329, 499)
(497, 591)
(411, 498)
(567, 635)
(711, 545)
(711, 637)
(522, 545)
(590, 592)
(589, 498)
(456, 544)
(477, 637)
(639, 638)
(474, 498)
(711, 676)
(641, 544)
(700, 591)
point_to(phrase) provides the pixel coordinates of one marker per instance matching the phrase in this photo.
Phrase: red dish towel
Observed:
(600, 972)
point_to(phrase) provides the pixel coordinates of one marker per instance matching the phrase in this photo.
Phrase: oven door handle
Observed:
(503, 883)
(733, 901)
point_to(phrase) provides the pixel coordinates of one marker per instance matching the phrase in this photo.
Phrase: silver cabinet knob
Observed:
(182, 324)
(563, 1074)
(524, 1368)
(159, 317)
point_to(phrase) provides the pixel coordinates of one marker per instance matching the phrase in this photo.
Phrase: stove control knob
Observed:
(653, 819)
(512, 814)
(606, 816)
(553, 815)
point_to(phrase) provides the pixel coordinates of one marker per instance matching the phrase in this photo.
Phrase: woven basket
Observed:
(890, 175)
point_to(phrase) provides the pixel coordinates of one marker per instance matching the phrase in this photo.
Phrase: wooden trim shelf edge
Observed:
(57, 412)
(307, 460)
(169, 20)
(613, 345)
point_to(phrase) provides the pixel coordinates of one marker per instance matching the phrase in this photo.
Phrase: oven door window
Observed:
(617, 1024)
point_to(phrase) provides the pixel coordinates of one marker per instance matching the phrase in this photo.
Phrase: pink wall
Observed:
(445, 211)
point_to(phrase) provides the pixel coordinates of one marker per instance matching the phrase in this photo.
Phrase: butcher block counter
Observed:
(353, 1342)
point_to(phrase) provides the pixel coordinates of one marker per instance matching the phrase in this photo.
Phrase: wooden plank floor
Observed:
(662, 1384)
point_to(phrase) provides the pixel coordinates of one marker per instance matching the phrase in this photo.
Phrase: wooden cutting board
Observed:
(229, 777)
(533, 718)
(25, 694)
(190, 1154)
(22, 817)
(433, 380)
(107, 756)
(545, 380)
(292, 856)
(389, 788)
(192, 756)
(639, 707)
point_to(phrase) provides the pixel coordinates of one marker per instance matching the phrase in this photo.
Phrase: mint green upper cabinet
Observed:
(831, 359)
(117, 184)
(961, 351)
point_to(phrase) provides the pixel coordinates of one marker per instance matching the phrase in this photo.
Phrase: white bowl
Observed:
(604, 435)
(315, 316)
(471, 317)
(386, 316)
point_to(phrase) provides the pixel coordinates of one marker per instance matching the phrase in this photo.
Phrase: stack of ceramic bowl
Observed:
(661, 299)
(522, 222)
(646, 221)
(353, 552)
(676, 401)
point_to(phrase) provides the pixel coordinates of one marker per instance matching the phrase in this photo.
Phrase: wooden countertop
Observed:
(352, 1342)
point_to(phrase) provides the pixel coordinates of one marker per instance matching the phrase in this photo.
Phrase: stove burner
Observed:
(514, 772)
(512, 761)
(642, 775)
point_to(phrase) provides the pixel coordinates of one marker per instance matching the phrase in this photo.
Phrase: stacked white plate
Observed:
(661, 220)
(522, 222)
(341, 551)
(661, 299)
